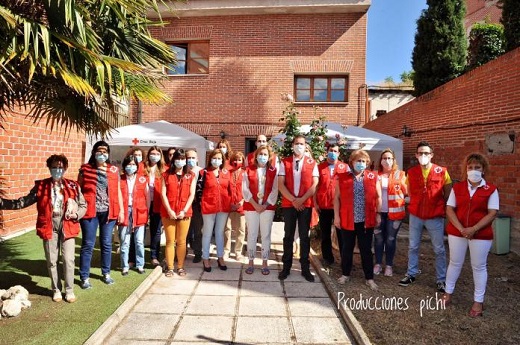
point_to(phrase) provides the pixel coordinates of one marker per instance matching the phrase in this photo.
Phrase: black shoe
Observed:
(328, 262)
(284, 274)
(197, 259)
(441, 287)
(207, 269)
(308, 276)
(407, 280)
(222, 267)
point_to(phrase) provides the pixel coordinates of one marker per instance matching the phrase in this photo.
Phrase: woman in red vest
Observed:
(357, 205)
(471, 208)
(60, 205)
(134, 189)
(393, 191)
(154, 168)
(100, 184)
(236, 221)
(215, 189)
(225, 148)
(260, 189)
(178, 191)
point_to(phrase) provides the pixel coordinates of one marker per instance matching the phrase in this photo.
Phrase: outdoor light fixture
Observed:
(407, 132)
(222, 134)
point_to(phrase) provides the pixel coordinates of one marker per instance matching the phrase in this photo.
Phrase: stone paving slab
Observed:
(178, 286)
(146, 326)
(262, 306)
(305, 289)
(315, 307)
(263, 330)
(212, 305)
(260, 289)
(312, 330)
(232, 274)
(163, 304)
(208, 329)
(217, 288)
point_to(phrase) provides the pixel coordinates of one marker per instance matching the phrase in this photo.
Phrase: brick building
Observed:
(480, 11)
(476, 112)
(236, 58)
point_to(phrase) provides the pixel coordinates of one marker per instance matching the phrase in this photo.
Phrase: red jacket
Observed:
(396, 203)
(236, 188)
(177, 192)
(270, 180)
(427, 200)
(326, 187)
(44, 229)
(250, 159)
(89, 190)
(346, 197)
(470, 210)
(139, 207)
(306, 182)
(216, 193)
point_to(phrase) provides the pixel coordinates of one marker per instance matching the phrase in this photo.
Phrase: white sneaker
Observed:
(70, 297)
(343, 279)
(372, 285)
(377, 269)
(57, 296)
(388, 271)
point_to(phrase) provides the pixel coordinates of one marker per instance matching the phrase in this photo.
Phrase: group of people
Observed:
(236, 192)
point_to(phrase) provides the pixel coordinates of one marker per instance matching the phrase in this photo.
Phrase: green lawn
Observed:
(22, 262)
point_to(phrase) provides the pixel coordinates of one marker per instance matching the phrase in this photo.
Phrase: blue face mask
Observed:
(332, 156)
(101, 157)
(360, 167)
(138, 158)
(216, 163)
(155, 158)
(262, 160)
(191, 162)
(131, 169)
(57, 173)
(179, 163)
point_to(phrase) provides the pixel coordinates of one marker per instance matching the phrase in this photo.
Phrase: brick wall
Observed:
(253, 60)
(477, 112)
(24, 149)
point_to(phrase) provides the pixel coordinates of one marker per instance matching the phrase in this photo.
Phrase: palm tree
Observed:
(75, 62)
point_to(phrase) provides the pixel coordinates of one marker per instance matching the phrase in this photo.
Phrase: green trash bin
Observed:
(501, 234)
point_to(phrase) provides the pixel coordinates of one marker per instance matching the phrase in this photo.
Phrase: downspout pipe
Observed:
(139, 112)
(360, 102)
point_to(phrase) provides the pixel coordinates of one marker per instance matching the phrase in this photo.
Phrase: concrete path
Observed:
(228, 307)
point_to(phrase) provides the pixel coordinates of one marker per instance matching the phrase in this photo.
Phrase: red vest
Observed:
(250, 159)
(141, 169)
(270, 180)
(216, 194)
(326, 187)
(470, 210)
(44, 206)
(157, 190)
(89, 190)
(427, 200)
(139, 208)
(177, 192)
(396, 203)
(306, 179)
(346, 198)
(236, 188)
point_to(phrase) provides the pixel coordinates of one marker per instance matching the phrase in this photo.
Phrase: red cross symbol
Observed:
(135, 141)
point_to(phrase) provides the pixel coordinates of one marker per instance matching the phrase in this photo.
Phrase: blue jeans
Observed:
(385, 239)
(435, 227)
(125, 233)
(88, 232)
(212, 221)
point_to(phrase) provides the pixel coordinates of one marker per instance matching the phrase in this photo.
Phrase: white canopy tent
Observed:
(357, 137)
(160, 133)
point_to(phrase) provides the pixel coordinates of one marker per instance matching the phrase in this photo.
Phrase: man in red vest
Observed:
(429, 186)
(297, 181)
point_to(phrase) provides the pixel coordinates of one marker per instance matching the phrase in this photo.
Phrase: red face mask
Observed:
(237, 165)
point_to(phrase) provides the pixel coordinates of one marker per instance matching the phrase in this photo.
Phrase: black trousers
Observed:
(303, 219)
(195, 231)
(326, 219)
(364, 237)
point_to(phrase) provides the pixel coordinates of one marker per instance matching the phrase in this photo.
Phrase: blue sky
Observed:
(390, 41)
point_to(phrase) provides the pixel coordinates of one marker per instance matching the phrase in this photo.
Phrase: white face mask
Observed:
(474, 176)
(299, 149)
(424, 160)
(223, 150)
